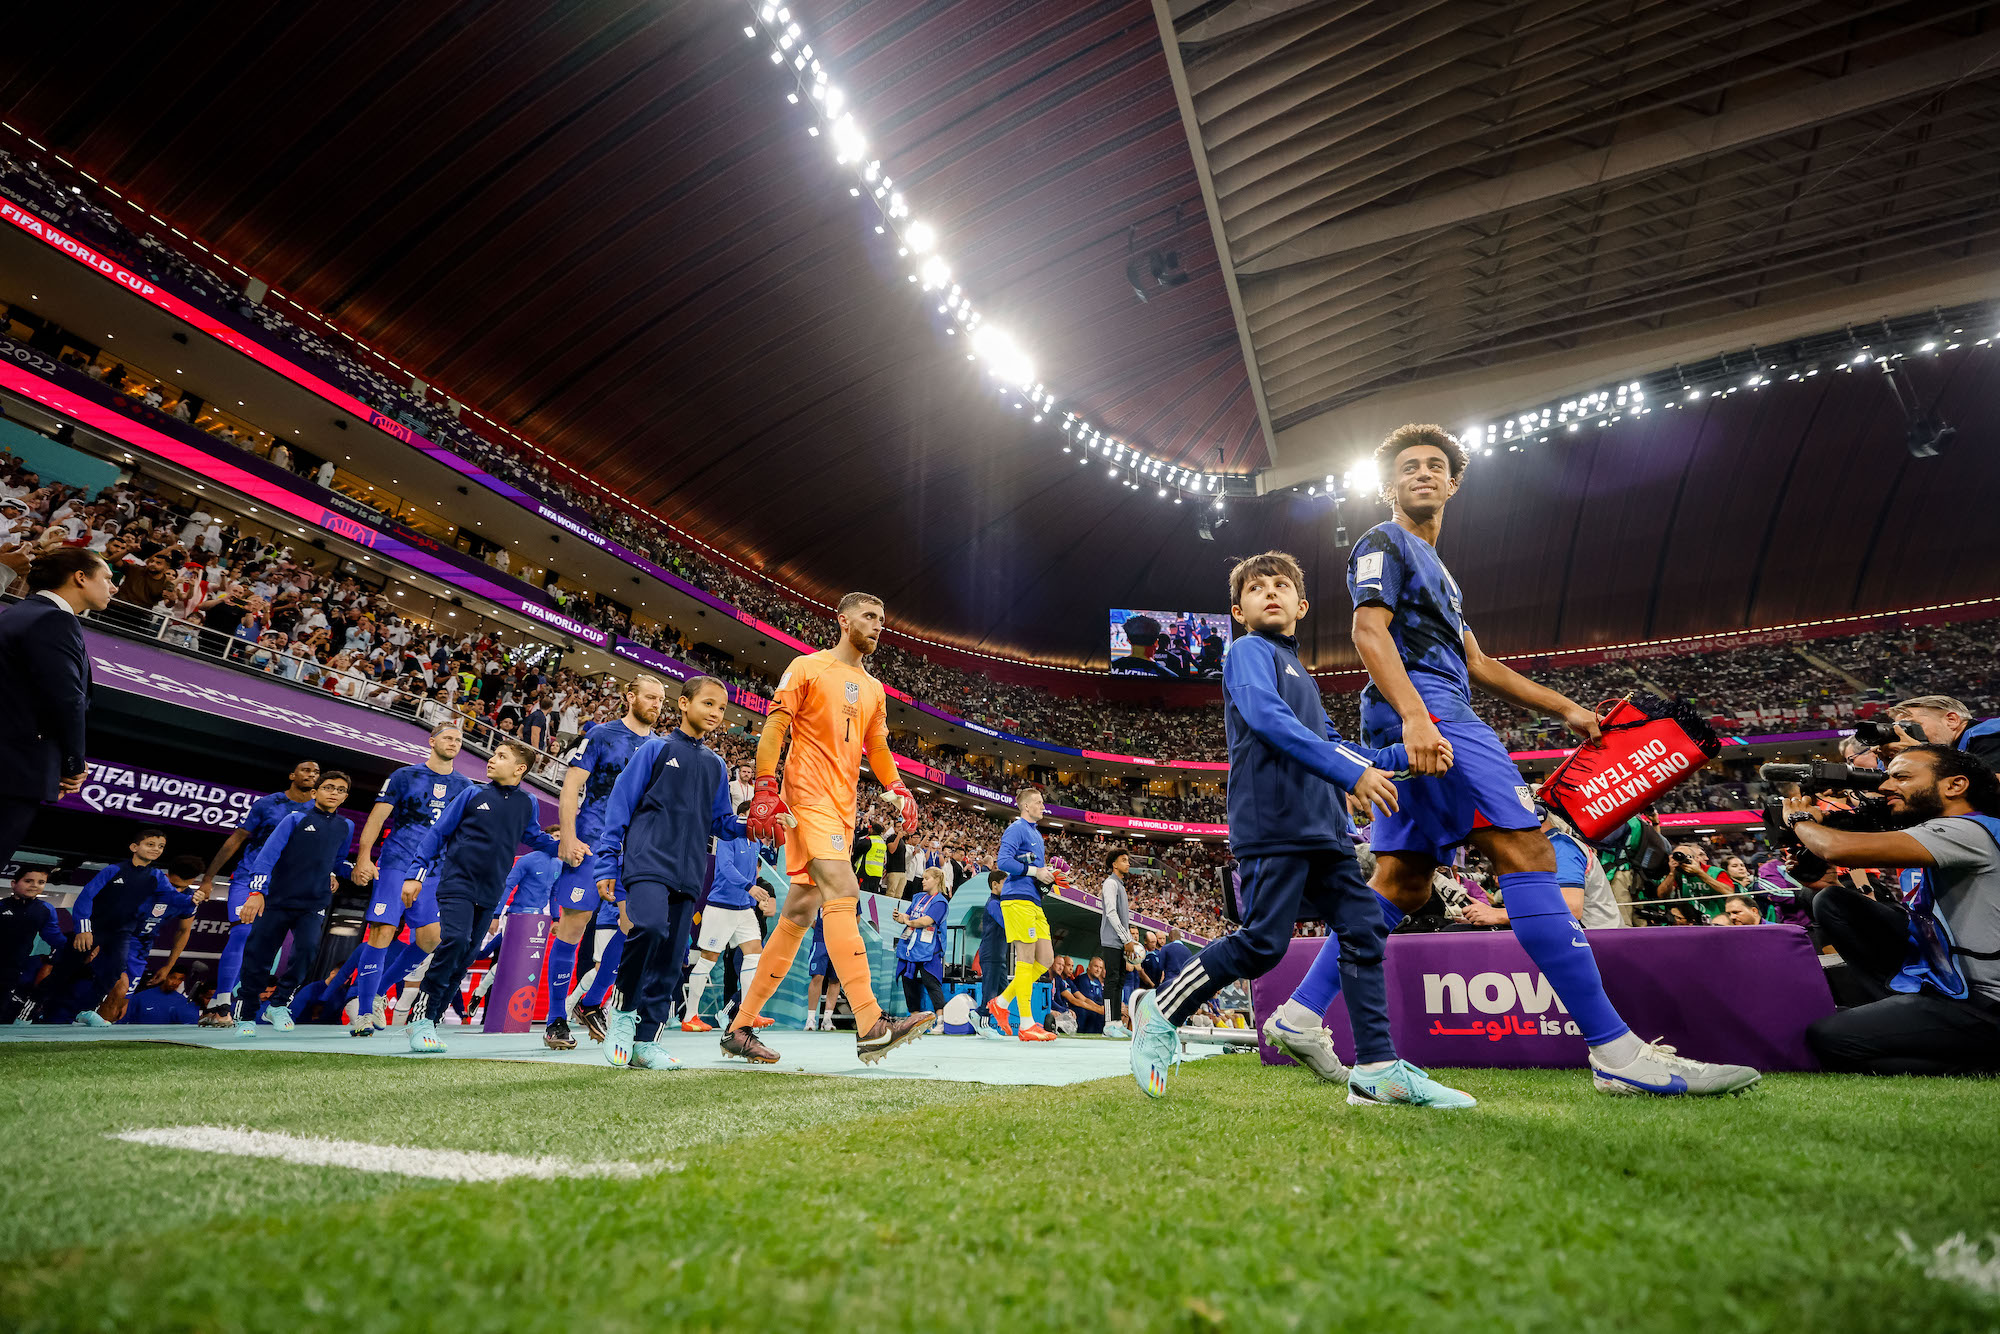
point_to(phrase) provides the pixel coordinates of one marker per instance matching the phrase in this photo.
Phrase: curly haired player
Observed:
(1422, 662)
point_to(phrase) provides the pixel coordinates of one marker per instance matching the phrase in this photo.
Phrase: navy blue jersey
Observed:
(603, 756)
(416, 795)
(171, 905)
(1392, 567)
(1021, 848)
(262, 820)
(154, 1006)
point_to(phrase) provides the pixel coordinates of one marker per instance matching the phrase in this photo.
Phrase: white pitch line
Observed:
(436, 1164)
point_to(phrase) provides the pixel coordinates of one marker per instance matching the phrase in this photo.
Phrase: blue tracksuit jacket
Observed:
(471, 847)
(291, 870)
(1285, 759)
(671, 799)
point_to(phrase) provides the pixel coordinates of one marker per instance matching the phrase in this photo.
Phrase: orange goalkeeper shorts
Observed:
(821, 834)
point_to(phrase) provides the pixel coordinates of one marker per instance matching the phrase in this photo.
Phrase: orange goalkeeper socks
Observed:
(773, 965)
(850, 961)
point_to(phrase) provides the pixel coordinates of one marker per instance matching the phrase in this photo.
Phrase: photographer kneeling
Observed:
(1938, 1010)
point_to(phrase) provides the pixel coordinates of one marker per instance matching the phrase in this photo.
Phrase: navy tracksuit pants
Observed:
(462, 919)
(260, 954)
(649, 974)
(1277, 890)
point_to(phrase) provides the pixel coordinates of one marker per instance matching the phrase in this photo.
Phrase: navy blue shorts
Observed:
(385, 894)
(1482, 790)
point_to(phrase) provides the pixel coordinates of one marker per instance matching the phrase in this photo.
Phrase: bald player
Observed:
(833, 711)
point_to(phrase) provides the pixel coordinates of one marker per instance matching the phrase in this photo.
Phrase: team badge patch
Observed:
(1527, 797)
(853, 692)
(839, 841)
(437, 789)
(1368, 569)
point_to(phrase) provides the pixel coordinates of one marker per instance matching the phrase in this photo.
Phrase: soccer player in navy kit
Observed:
(264, 816)
(593, 772)
(467, 853)
(671, 799)
(410, 803)
(291, 886)
(1288, 773)
(174, 906)
(1422, 661)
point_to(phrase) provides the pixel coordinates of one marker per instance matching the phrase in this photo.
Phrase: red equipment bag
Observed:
(1646, 746)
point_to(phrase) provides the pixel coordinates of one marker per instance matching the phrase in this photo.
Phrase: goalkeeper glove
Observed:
(767, 808)
(908, 804)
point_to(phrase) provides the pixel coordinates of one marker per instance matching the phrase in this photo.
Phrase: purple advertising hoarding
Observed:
(158, 798)
(162, 676)
(1742, 995)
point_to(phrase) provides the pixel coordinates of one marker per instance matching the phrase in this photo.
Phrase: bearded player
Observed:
(1422, 661)
(834, 713)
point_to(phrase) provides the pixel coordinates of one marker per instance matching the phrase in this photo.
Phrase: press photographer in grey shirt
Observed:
(1939, 1007)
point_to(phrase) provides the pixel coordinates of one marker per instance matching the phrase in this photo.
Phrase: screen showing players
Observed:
(1175, 645)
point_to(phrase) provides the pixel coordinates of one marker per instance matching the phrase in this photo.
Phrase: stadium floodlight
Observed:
(921, 236)
(835, 101)
(849, 143)
(1003, 356)
(936, 273)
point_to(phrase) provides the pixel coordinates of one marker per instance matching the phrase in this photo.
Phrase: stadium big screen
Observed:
(1185, 645)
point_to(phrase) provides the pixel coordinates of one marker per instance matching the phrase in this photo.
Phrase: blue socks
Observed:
(607, 970)
(403, 960)
(1392, 916)
(1322, 980)
(367, 978)
(562, 967)
(229, 966)
(1556, 943)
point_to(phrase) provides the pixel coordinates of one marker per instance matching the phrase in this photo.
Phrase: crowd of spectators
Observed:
(1751, 686)
(368, 652)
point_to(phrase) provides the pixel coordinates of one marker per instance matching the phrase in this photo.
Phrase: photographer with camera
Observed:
(1692, 884)
(1934, 720)
(1937, 1006)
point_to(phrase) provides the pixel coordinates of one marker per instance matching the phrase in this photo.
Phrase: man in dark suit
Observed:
(45, 686)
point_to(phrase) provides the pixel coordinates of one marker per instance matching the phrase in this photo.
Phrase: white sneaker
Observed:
(1661, 1072)
(1114, 1029)
(1310, 1047)
(378, 1017)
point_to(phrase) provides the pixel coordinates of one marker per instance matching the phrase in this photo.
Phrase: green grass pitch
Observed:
(1250, 1199)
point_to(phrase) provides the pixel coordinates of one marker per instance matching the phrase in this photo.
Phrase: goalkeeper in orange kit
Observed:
(834, 713)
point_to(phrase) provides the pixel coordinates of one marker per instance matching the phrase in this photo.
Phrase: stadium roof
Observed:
(605, 226)
(1436, 209)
